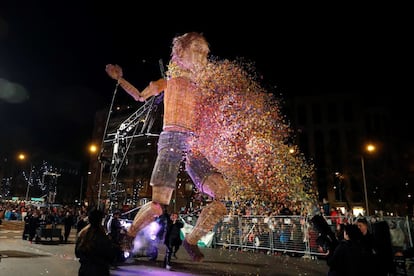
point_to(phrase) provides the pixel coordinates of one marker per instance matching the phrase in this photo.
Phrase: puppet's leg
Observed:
(148, 213)
(215, 185)
(161, 195)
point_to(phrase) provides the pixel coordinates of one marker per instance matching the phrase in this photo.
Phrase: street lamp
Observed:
(93, 148)
(21, 156)
(369, 148)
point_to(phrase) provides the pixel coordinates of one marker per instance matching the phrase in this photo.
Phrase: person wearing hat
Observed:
(94, 248)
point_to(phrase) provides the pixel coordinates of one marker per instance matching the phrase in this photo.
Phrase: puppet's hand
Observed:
(114, 71)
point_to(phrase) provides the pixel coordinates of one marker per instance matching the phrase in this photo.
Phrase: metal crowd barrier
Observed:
(293, 235)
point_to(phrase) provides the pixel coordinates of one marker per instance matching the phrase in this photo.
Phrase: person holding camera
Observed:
(172, 238)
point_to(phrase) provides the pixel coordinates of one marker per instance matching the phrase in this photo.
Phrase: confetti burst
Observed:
(243, 133)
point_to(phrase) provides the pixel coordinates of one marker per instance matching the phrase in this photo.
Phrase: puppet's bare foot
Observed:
(193, 251)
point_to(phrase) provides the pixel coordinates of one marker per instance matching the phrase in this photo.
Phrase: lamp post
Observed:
(22, 157)
(369, 148)
(93, 149)
(29, 182)
(365, 184)
(84, 181)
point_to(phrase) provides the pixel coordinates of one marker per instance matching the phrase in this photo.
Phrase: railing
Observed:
(293, 235)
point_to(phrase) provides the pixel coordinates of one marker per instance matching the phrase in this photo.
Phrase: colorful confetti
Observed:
(242, 132)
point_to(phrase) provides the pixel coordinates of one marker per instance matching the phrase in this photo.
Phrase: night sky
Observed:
(53, 57)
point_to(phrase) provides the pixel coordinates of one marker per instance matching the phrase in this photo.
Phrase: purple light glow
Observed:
(146, 235)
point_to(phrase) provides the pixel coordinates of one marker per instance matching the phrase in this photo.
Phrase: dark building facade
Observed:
(333, 130)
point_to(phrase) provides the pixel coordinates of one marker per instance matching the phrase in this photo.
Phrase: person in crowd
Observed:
(339, 231)
(383, 248)
(94, 248)
(68, 224)
(189, 57)
(82, 222)
(26, 230)
(335, 218)
(367, 242)
(327, 239)
(13, 215)
(116, 232)
(285, 210)
(326, 207)
(347, 258)
(34, 224)
(172, 238)
(397, 237)
(284, 236)
(376, 247)
(162, 222)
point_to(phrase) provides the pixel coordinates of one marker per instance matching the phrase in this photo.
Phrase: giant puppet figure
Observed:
(231, 134)
(189, 56)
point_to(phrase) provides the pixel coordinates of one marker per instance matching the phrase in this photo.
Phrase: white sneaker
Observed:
(168, 267)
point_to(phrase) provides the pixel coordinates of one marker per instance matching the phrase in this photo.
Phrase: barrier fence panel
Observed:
(292, 235)
(278, 234)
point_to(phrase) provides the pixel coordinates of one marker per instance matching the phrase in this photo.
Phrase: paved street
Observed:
(23, 258)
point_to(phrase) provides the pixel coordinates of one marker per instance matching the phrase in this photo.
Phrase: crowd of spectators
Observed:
(37, 216)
